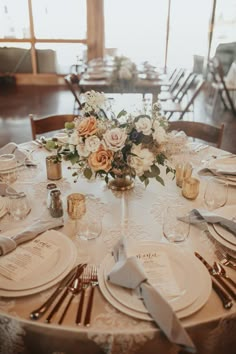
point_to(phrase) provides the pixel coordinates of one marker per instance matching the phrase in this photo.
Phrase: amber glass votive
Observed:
(76, 205)
(53, 168)
(190, 188)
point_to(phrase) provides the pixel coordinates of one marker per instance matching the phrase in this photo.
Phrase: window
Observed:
(137, 29)
(55, 32)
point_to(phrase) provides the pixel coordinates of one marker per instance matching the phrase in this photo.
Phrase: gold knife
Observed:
(226, 300)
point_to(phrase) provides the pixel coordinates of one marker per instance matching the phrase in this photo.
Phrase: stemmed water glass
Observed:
(216, 194)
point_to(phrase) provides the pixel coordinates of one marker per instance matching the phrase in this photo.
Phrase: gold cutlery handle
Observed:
(226, 300)
(229, 280)
(65, 310)
(57, 306)
(80, 308)
(225, 286)
(89, 307)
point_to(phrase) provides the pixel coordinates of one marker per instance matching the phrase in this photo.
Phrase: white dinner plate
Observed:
(49, 270)
(126, 300)
(3, 206)
(219, 233)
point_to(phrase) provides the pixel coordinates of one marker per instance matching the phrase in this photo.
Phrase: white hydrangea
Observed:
(143, 161)
(94, 101)
(159, 133)
(73, 138)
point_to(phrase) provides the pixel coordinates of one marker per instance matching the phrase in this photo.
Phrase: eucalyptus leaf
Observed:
(88, 173)
(160, 180)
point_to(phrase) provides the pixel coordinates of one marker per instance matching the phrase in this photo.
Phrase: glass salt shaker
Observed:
(50, 187)
(56, 208)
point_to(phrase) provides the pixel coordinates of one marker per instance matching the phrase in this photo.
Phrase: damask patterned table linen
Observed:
(211, 328)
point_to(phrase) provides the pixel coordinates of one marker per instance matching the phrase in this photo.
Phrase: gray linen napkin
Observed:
(196, 216)
(8, 244)
(129, 273)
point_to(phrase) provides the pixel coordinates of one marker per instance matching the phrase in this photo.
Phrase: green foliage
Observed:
(69, 125)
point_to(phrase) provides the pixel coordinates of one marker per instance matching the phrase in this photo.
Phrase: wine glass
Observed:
(174, 229)
(216, 194)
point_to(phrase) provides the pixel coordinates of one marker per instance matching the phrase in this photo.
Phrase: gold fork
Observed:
(93, 284)
(225, 260)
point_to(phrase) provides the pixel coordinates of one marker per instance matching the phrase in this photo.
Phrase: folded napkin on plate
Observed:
(220, 171)
(8, 244)
(129, 273)
(13, 148)
(196, 216)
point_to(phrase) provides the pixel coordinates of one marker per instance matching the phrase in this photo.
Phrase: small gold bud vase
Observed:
(53, 167)
(183, 171)
(190, 187)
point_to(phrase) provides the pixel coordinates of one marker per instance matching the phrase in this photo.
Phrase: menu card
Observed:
(26, 258)
(159, 272)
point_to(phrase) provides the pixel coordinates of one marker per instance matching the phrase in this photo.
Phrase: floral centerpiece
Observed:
(116, 146)
(125, 73)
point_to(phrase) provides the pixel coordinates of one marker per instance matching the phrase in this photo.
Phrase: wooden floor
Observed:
(18, 102)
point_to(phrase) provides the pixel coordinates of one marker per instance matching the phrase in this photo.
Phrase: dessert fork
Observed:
(225, 260)
(222, 272)
(93, 284)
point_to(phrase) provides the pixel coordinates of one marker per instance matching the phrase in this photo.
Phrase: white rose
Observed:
(74, 138)
(144, 125)
(115, 139)
(92, 143)
(143, 161)
(159, 133)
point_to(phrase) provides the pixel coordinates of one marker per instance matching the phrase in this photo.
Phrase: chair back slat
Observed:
(49, 123)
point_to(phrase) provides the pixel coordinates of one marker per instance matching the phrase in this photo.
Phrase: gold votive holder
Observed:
(53, 167)
(183, 171)
(76, 205)
(190, 188)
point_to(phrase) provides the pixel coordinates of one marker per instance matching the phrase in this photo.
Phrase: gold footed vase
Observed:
(121, 183)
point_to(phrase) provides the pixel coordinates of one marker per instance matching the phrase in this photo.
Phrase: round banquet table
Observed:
(212, 328)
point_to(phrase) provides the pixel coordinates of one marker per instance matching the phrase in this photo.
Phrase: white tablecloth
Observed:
(212, 328)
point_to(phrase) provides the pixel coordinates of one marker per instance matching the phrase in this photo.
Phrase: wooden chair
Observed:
(173, 81)
(219, 86)
(185, 102)
(49, 123)
(175, 92)
(198, 130)
(73, 85)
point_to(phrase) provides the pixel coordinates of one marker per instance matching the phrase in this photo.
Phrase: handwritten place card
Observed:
(160, 274)
(26, 258)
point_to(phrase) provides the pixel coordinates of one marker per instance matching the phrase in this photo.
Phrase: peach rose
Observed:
(101, 160)
(87, 126)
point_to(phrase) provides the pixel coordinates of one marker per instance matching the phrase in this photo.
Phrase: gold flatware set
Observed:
(80, 279)
(222, 283)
